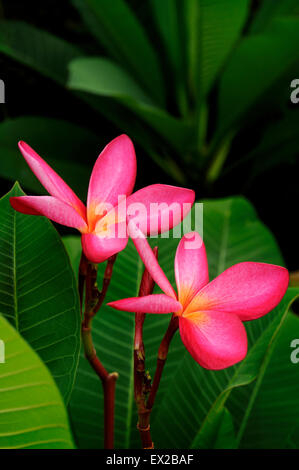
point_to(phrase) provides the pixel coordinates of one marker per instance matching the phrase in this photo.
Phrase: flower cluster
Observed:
(211, 314)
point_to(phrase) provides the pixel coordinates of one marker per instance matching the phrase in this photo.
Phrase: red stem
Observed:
(93, 302)
(162, 356)
(142, 380)
(109, 403)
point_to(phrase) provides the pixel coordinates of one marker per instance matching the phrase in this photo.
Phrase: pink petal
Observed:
(158, 208)
(52, 182)
(98, 248)
(113, 175)
(150, 261)
(156, 303)
(191, 267)
(50, 207)
(249, 290)
(215, 340)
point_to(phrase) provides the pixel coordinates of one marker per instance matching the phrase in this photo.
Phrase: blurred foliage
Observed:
(183, 79)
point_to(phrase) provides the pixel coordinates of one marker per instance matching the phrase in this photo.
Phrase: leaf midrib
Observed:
(15, 272)
(261, 373)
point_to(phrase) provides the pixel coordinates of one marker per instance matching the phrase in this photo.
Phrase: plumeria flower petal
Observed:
(50, 207)
(103, 224)
(146, 254)
(50, 180)
(216, 340)
(98, 249)
(191, 267)
(211, 314)
(155, 303)
(113, 175)
(158, 208)
(250, 290)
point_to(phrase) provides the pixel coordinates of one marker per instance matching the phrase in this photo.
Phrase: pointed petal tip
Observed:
(113, 305)
(113, 175)
(51, 181)
(25, 148)
(154, 303)
(50, 207)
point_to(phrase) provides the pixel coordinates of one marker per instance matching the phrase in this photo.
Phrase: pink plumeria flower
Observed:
(211, 313)
(104, 231)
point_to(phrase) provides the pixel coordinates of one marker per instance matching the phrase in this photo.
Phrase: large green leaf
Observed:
(212, 30)
(279, 145)
(36, 48)
(255, 70)
(50, 56)
(232, 233)
(63, 153)
(269, 11)
(271, 416)
(168, 16)
(100, 76)
(38, 294)
(32, 412)
(252, 369)
(119, 31)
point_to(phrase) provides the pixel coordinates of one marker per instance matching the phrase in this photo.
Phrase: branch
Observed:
(142, 380)
(93, 301)
(162, 356)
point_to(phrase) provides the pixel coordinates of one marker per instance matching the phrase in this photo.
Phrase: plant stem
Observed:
(93, 301)
(142, 381)
(162, 356)
(144, 391)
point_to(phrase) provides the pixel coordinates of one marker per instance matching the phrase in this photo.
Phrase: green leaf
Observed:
(226, 438)
(168, 16)
(36, 48)
(232, 233)
(73, 246)
(278, 146)
(212, 31)
(256, 69)
(272, 420)
(38, 293)
(100, 76)
(32, 412)
(252, 369)
(119, 31)
(63, 153)
(269, 11)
